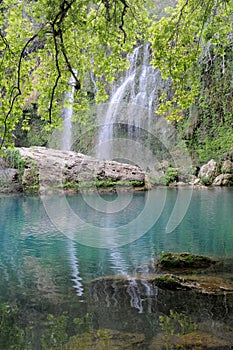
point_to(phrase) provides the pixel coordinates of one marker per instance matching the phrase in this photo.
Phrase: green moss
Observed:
(111, 183)
(184, 260)
(170, 282)
(100, 184)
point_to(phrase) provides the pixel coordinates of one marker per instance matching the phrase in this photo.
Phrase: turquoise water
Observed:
(43, 271)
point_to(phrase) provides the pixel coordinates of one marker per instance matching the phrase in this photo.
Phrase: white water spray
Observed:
(138, 88)
(67, 116)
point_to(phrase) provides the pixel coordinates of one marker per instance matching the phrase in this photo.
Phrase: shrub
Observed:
(171, 175)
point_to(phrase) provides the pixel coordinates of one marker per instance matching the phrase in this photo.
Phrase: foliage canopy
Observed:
(45, 42)
(185, 44)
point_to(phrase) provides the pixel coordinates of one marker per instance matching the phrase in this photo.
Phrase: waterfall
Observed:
(132, 103)
(67, 116)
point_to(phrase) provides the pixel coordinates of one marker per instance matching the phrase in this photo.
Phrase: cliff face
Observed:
(49, 169)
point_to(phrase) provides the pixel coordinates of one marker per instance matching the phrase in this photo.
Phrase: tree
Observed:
(45, 42)
(185, 44)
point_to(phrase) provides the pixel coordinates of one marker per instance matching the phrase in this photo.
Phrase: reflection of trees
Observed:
(11, 226)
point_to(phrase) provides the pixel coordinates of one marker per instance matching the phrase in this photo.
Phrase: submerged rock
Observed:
(207, 284)
(185, 260)
(170, 282)
(193, 299)
(106, 339)
(193, 340)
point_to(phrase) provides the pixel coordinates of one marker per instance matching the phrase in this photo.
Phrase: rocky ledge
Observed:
(40, 169)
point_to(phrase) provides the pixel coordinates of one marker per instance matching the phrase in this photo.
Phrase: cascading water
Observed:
(133, 103)
(67, 116)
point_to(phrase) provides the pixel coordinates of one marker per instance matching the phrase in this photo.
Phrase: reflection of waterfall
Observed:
(75, 271)
(136, 290)
(133, 103)
(67, 116)
(66, 145)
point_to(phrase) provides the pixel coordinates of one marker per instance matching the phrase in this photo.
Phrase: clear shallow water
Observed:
(42, 271)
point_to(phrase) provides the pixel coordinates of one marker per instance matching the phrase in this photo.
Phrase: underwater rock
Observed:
(184, 260)
(199, 283)
(193, 340)
(170, 282)
(106, 339)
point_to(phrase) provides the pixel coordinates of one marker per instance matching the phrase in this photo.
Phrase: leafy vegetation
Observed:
(58, 39)
(15, 160)
(12, 336)
(207, 128)
(171, 176)
(55, 334)
(192, 35)
(101, 184)
(176, 324)
(191, 44)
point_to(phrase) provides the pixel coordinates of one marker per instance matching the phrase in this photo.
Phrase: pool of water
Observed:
(54, 252)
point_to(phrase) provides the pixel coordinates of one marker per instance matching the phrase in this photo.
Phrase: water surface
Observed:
(43, 271)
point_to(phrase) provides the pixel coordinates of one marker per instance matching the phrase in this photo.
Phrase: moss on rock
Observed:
(185, 260)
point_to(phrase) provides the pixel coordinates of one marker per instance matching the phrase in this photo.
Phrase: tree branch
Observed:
(13, 99)
(121, 27)
(57, 33)
(57, 78)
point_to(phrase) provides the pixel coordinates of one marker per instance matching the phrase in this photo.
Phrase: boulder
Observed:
(227, 167)
(8, 178)
(223, 180)
(208, 172)
(56, 169)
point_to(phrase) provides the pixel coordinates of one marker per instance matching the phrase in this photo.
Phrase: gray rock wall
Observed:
(54, 169)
